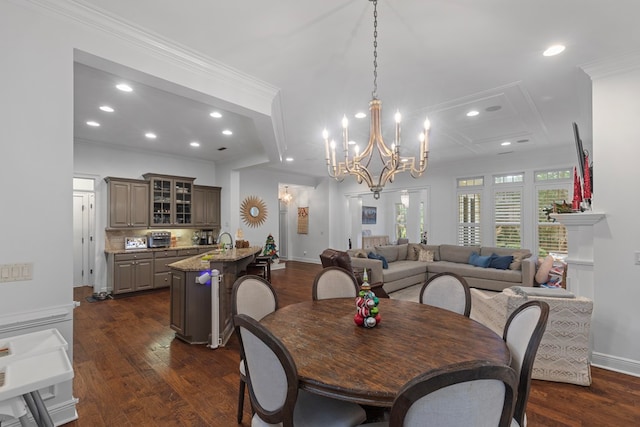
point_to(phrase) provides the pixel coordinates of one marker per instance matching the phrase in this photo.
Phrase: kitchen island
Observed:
(191, 302)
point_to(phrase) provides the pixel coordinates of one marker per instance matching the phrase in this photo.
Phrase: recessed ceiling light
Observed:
(150, 135)
(124, 87)
(289, 159)
(554, 50)
(227, 132)
(360, 115)
(504, 144)
(215, 115)
(492, 108)
(107, 109)
(194, 144)
(222, 148)
(352, 142)
(93, 123)
(473, 113)
(520, 141)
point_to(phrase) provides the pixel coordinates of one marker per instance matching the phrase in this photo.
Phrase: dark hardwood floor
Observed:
(130, 371)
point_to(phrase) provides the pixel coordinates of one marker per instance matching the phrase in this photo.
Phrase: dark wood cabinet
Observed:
(206, 206)
(177, 307)
(128, 203)
(131, 272)
(170, 200)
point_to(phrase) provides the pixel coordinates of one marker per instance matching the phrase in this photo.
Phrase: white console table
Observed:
(28, 363)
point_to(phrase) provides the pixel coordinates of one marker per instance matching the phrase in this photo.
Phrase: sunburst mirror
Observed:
(253, 211)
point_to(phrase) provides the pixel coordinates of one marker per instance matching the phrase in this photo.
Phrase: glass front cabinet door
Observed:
(170, 200)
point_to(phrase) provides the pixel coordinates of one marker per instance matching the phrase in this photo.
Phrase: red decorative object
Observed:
(367, 313)
(577, 191)
(587, 178)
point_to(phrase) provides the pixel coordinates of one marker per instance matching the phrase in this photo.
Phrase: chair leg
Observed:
(241, 400)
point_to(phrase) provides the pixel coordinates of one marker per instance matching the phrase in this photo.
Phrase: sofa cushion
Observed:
(373, 255)
(479, 261)
(403, 251)
(500, 262)
(455, 253)
(433, 248)
(468, 270)
(390, 252)
(401, 269)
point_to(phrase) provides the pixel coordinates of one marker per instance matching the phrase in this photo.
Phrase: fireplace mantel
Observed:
(580, 250)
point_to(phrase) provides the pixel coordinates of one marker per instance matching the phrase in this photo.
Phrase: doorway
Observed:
(83, 232)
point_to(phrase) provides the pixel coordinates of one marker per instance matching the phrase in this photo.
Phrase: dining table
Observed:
(336, 358)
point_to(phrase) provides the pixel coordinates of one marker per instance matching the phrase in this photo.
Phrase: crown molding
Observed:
(612, 65)
(170, 51)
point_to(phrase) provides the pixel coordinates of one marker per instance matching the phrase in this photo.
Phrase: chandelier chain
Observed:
(374, 94)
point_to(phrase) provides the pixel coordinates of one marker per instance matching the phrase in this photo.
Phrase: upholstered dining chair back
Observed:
(470, 394)
(273, 385)
(254, 296)
(449, 291)
(334, 282)
(523, 333)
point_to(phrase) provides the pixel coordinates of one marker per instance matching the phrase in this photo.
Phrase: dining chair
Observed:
(470, 394)
(255, 297)
(449, 291)
(273, 382)
(522, 334)
(334, 282)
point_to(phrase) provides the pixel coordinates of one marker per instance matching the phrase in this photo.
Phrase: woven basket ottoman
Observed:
(563, 355)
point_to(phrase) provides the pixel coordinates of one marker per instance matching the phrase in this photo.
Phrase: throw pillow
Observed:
(479, 261)
(380, 257)
(542, 275)
(413, 251)
(518, 256)
(425, 256)
(360, 253)
(500, 262)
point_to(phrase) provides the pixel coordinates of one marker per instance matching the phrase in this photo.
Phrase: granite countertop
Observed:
(177, 248)
(195, 263)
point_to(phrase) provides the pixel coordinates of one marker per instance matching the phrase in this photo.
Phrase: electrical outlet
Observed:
(304, 253)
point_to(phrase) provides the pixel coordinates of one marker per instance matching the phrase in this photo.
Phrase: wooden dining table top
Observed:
(336, 358)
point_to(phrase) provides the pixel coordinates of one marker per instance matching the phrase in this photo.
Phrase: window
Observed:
(552, 187)
(469, 211)
(401, 221)
(507, 205)
(469, 219)
(508, 218)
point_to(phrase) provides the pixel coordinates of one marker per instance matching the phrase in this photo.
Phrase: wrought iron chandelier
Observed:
(358, 163)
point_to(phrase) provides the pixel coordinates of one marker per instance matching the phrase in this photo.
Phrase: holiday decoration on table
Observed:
(367, 313)
(270, 249)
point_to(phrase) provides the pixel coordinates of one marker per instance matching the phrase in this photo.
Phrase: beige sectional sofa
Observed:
(405, 269)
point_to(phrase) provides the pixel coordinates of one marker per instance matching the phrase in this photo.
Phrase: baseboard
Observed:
(309, 260)
(617, 364)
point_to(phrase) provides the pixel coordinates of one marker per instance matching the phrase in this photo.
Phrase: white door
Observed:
(82, 239)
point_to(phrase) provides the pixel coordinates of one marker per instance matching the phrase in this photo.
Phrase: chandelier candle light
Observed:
(392, 162)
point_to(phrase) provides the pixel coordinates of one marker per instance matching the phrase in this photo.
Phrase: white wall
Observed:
(616, 323)
(36, 122)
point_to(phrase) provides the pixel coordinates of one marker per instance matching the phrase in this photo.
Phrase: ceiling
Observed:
(440, 58)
